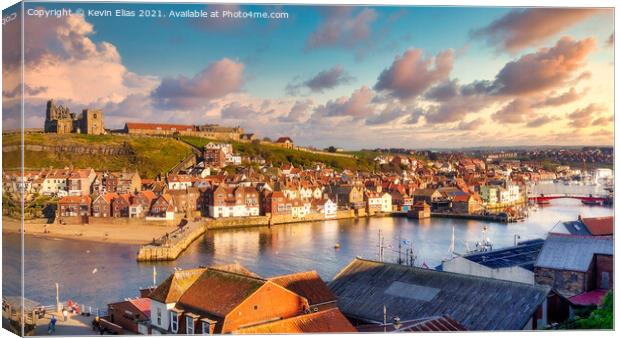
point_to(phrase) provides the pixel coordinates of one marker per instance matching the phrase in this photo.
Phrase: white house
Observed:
(328, 208)
(55, 182)
(386, 202)
(180, 182)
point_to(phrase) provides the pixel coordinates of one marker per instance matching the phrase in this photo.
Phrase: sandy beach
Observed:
(109, 233)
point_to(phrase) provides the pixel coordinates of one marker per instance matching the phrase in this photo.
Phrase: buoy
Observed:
(94, 271)
(337, 246)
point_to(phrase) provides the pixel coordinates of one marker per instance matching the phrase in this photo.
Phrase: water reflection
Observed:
(267, 251)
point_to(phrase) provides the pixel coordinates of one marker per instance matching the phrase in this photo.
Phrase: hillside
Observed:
(149, 155)
(278, 155)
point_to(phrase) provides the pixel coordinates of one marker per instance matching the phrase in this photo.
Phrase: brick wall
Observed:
(604, 263)
(569, 283)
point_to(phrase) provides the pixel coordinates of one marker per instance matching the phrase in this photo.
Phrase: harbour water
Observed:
(98, 273)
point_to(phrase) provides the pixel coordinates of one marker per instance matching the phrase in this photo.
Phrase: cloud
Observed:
(564, 98)
(443, 91)
(523, 28)
(471, 125)
(63, 62)
(540, 121)
(544, 69)
(390, 113)
(411, 74)
(358, 105)
(236, 110)
(514, 112)
(217, 80)
(582, 118)
(326, 79)
(342, 27)
(603, 121)
(298, 113)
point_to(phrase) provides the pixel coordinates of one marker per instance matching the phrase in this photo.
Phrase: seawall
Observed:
(170, 248)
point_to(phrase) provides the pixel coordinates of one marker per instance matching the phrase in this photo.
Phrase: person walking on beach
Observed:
(65, 314)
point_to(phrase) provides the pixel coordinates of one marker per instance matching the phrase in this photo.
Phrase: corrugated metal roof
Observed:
(574, 253)
(331, 320)
(308, 285)
(477, 303)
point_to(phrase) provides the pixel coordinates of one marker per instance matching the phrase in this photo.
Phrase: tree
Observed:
(601, 318)
(331, 149)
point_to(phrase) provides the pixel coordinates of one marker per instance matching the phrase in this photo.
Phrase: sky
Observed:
(349, 76)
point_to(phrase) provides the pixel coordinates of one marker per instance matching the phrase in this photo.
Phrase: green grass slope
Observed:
(150, 156)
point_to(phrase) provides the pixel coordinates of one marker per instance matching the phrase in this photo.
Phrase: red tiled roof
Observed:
(284, 139)
(219, 292)
(308, 285)
(594, 297)
(75, 199)
(143, 305)
(599, 226)
(331, 320)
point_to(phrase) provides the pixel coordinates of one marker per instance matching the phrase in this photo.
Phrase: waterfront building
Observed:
(488, 193)
(476, 303)
(575, 265)
(466, 203)
(327, 207)
(231, 201)
(74, 209)
(515, 263)
(420, 210)
(231, 299)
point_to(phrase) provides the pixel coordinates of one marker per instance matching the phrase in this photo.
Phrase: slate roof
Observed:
(575, 228)
(432, 324)
(571, 252)
(331, 320)
(364, 287)
(218, 292)
(308, 285)
(523, 255)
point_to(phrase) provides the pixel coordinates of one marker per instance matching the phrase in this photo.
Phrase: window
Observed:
(189, 325)
(206, 328)
(174, 322)
(158, 317)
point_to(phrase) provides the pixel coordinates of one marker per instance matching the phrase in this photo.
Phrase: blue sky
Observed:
(379, 66)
